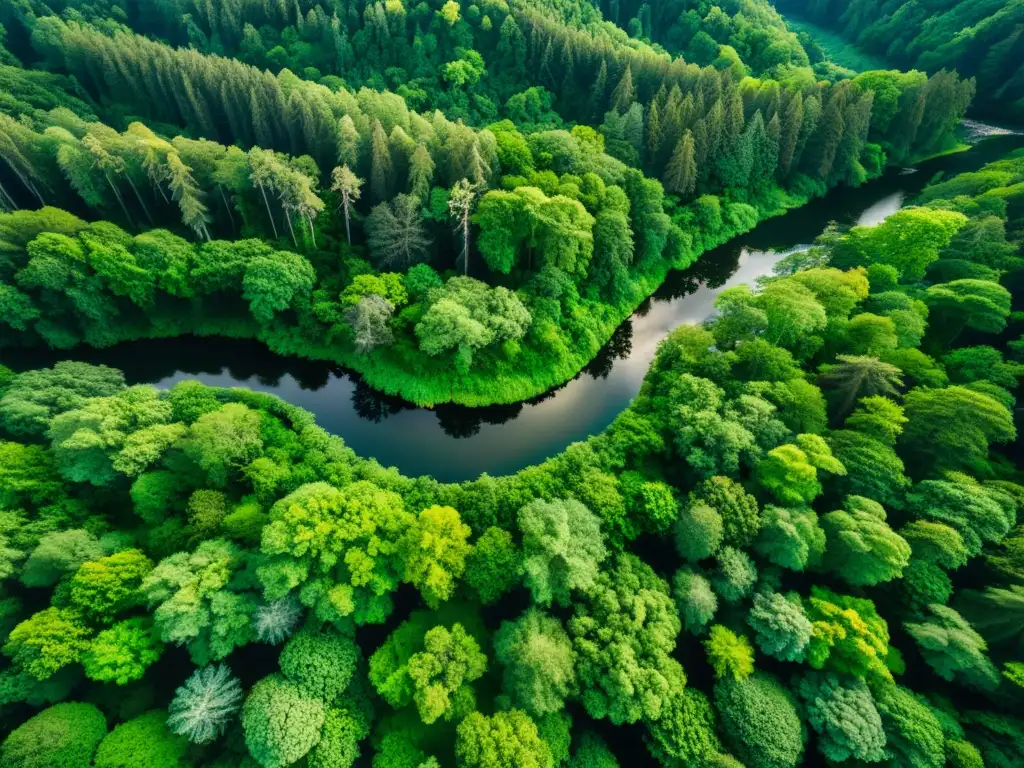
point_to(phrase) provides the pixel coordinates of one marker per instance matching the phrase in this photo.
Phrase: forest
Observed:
(979, 38)
(800, 544)
(489, 220)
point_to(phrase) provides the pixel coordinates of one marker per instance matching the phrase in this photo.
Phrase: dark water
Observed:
(458, 443)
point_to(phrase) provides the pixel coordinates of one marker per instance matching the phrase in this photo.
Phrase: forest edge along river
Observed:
(454, 443)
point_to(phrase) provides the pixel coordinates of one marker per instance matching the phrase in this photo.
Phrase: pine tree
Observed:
(681, 171)
(460, 207)
(421, 172)
(654, 134)
(348, 142)
(348, 186)
(380, 163)
(624, 92)
(792, 119)
(598, 92)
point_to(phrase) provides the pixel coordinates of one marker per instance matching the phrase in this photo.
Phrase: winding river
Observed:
(457, 443)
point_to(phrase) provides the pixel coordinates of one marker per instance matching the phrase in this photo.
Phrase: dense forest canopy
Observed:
(979, 38)
(800, 544)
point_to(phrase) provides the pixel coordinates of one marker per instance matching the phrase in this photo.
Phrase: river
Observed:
(457, 443)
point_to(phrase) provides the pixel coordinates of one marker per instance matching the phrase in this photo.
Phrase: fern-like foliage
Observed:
(205, 703)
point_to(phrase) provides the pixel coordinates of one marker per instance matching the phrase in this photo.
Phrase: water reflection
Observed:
(457, 443)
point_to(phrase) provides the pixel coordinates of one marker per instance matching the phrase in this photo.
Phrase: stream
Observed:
(455, 443)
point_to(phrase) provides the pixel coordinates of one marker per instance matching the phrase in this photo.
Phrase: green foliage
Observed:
(322, 664)
(537, 657)
(123, 652)
(685, 730)
(953, 649)
(494, 565)
(844, 715)
(781, 627)
(340, 546)
(434, 552)
(562, 549)
(623, 632)
(696, 600)
(204, 704)
(61, 736)
(145, 742)
(505, 738)
(729, 654)
(281, 722)
(46, 642)
(103, 588)
(760, 721)
(861, 548)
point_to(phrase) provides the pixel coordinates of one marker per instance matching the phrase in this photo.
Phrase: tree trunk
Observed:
(288, 218)
(26, 182)
(465, 243)
(348, 230)
(227, 207)
(312, 234)
(120, 199)
(139, 198)
(5, 196)
(267, 203)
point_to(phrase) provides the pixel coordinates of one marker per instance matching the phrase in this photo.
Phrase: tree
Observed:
(204, 704)
(791, 538)
(914, 736)
(681, 172)
(32, 400)
(467, 316)
(202, 600)
(281, 722)
(844, 715)
(223, 442)
(275, 621)
(503, 739)
(981, 305)
(855, 377)
(738, 509)
(696, 600)
(592, 752)
(961, 503)
(538, 659)
(760, 721)
(953, 649)
(276, 282)
(735, 576)
(861, 548)
(103, 588)
(123, 652)
(460, 207)
(57, 554)
(61, 736)
(848, 636)
(396, 234)
(320, 663)
(685, 731)
(338, 548)
(562, 549)
(952, 428)
(729, 654)
(429, 665)
(348, 186)
(623, 631)
(142, 742)
(494, 566)
(698, 533)
(370, 321)
(790, 472)
(781, 627)
(434, 551)
(46, 642)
